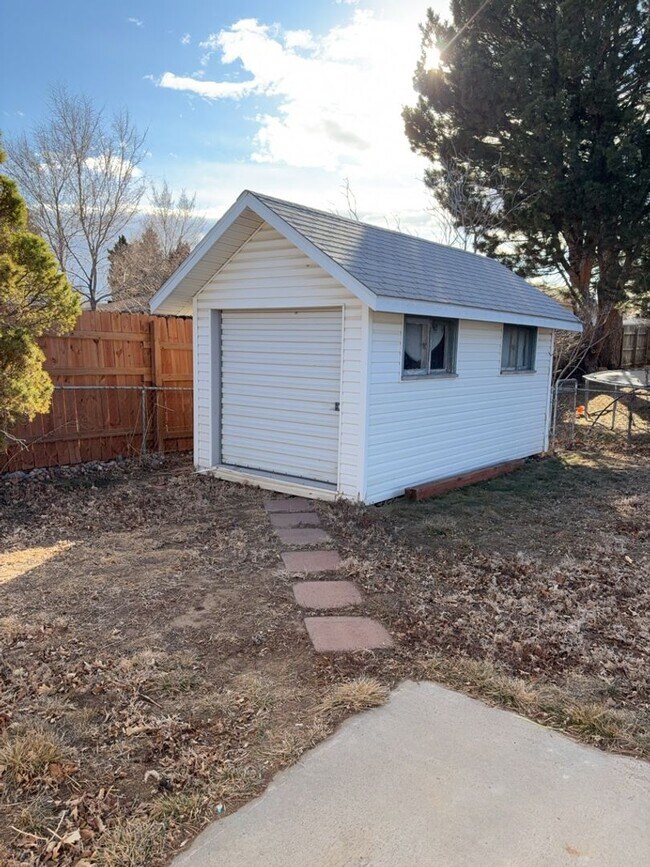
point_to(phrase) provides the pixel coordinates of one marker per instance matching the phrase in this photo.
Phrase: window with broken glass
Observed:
(429, 346)
(518, 348)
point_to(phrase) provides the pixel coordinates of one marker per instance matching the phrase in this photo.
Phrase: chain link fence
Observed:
(586, 415)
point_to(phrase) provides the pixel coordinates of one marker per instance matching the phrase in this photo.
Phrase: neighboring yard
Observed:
(155, 672)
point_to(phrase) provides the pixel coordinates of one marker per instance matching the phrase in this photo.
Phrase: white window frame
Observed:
(451, 346)
(518, 330)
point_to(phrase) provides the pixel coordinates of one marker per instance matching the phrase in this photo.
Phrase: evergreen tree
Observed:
(35, 298)
(544, 110)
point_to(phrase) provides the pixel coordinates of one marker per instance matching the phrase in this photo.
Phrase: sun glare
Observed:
(432, 57)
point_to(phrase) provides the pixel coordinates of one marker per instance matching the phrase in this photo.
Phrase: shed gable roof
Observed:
(388, 270)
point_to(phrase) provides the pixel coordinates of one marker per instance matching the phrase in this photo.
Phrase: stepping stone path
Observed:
(303, 536)
(326, 594)
(334, 634)
(297, 524)
(308, 562)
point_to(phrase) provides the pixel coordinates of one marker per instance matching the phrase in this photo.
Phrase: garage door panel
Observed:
(280, 383)
(297, 442)
(315, 421)
(246, 371)
(299, 451)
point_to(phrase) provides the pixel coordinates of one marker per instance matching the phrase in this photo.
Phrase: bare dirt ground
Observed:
(154, 671)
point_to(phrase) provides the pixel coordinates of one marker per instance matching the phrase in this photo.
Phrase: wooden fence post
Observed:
(156, 325)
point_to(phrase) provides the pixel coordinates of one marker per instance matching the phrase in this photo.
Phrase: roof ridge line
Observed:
(355, 222)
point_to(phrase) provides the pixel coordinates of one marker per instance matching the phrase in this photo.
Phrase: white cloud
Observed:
(186, 39)
(114, 166)
(137, 21)
(208, 89)
(338, 101)
(299, 39)
(332, 108)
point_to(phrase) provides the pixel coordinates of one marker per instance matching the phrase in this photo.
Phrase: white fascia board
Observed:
(389, 304)
(210, 238)
(250, 201)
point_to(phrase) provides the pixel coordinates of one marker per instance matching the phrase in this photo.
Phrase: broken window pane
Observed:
(413, 346)
(437, 341)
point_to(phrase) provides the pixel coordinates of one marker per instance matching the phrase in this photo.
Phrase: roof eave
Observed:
(171, 299)
(175, 296)
(391, 304)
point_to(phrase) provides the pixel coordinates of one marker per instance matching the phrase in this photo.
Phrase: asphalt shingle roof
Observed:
(396, 265)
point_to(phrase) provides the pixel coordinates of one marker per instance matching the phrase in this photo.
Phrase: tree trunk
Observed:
(607, 343)
(612, 345)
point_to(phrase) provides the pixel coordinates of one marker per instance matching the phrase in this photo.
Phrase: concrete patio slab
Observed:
(326, 594)
(303, 536)
(294, 519)
(341, 634)
(289, 504)
(438, 779)
(309, 562)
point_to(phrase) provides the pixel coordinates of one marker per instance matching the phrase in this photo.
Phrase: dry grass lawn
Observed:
(154, 671)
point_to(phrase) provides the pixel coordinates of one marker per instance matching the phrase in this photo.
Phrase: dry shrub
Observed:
(143, 660)
(591, 721)
(354, 695)
(27, 755)
(130, 843)
(35, 817)
(483, 677)
(285, 746)
(12, 629)
(179, 807)
(250, 692)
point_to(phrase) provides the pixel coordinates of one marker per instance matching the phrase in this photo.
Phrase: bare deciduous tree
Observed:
(462, 213)
(575, 352)
(79, 173)
(139, 266)
(175, 221)
(350, 199)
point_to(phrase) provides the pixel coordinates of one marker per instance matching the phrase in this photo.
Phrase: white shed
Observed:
(338, 359)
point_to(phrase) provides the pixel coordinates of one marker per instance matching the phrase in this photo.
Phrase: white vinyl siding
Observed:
(270, 273)
(422, 429)
(280, 381)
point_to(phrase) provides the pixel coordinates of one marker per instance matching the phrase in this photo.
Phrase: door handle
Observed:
(337, 406)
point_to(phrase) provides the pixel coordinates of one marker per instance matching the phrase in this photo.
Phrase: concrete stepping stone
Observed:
(303, 536)
(294, 519)
(307, 562)
(289, 504)
(339, 634)
(326, 594)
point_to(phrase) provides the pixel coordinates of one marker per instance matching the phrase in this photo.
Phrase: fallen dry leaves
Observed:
(154, 672)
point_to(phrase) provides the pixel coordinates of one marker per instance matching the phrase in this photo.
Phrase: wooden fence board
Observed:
(635, 349)
(111, 349)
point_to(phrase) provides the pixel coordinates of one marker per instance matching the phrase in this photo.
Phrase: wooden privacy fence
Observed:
(635, 351)
(123, 386)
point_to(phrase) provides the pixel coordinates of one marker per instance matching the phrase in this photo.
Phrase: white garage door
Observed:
(281, 373)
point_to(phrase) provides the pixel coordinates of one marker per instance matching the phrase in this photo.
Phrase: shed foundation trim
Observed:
(435, 489)
(275, 482)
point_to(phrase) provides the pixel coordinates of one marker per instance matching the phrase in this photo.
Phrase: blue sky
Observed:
(286, 98)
